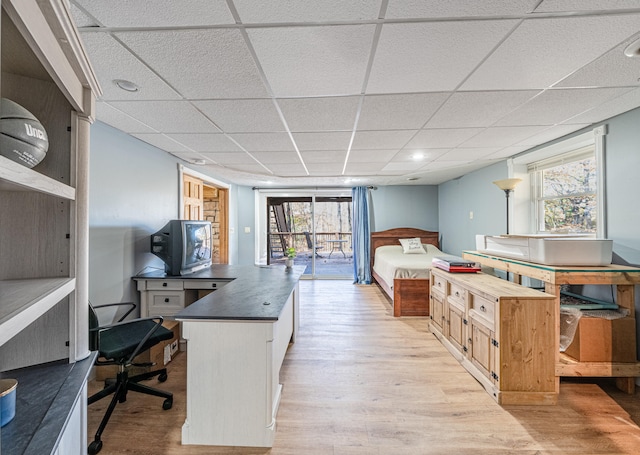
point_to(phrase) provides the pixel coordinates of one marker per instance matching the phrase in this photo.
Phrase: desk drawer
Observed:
(484, 308)
(457, 294)
(439, 284)
(165, 303)
(159, 285)
(204, 284)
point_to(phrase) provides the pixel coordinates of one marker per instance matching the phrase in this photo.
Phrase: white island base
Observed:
(233, 370)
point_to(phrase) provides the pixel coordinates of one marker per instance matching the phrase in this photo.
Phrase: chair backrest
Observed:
(309, 242)
(94, 333)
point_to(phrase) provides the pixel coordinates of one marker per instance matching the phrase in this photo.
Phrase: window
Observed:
(564, 194)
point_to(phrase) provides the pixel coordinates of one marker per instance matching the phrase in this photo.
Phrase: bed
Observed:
(407, 285)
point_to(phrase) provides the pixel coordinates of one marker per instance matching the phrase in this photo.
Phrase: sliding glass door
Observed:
(316, 225)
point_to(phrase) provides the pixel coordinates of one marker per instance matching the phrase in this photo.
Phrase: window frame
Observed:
(524, 196)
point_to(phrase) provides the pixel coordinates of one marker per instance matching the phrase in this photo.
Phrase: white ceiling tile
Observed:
(541, 60)
(253, 168)
(266, 11)
(167, 116)
(264, 142)
(478, 109)
(230, 158)
(104, 50)
(322, 141)
(401, 166)
(80, 18)
(288, 170)
(202, 63)
(552, 6)
(441, 138)
(160, 13)
(508, 151)
(431, 57)
(556, 106)
(404, 111)
(242, 116)
(467, 154)
(624, 103)
(320, 114)
(444, 164)
(373, 156)
(271, 158)
(325, 168)
(162, 141)
(326, 156)
(206, 142)
(550, 134)
(118, 119)
(383, 140)
(363, 168)
(502, 136)
(314, 61)
(613, 69)
(458, 8)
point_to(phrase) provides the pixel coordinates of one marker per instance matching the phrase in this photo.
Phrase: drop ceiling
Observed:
(366, 92)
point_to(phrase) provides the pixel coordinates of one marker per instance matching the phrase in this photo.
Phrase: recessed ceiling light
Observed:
(633, 49)
(198, 161)
(417, 156)
(126, 85)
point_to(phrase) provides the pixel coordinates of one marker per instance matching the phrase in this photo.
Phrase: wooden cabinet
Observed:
(625, 278)
(44, 221)
(501, 332)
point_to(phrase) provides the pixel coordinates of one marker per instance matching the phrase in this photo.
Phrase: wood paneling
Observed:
(359, 381)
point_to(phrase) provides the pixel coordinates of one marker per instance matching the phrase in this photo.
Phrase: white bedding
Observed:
(390, 262)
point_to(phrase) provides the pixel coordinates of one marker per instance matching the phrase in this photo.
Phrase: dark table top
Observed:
(254, 293)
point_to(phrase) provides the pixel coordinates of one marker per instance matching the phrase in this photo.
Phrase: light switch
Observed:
(247, 230)
(471, 215)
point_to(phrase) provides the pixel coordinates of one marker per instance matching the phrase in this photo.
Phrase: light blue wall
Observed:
(246, 219)
(404, 206)
(475, 193)
(133, 192)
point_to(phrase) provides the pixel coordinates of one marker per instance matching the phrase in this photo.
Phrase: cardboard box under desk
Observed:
(604, 340)
(160, 354)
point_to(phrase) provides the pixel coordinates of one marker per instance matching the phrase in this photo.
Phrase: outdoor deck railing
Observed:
(299, 241)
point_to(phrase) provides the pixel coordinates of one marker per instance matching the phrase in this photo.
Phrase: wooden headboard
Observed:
(392, 236)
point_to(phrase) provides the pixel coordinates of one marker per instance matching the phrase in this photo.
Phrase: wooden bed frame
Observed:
(409, 296)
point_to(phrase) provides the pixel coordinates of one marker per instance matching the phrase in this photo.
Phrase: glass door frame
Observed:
(262, 220)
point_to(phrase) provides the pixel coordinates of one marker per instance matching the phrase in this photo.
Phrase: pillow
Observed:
(412, 246)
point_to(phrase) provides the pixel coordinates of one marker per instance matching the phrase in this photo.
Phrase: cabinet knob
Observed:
(213, 285)
(166, 299)
(164, 285)
(482, 308)
(457, 294)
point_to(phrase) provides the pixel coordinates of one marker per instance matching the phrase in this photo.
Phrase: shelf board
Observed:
(568, 367)
(16, 177)
(24, 301)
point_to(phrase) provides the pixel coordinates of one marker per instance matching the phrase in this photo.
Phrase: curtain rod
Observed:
(310, 188)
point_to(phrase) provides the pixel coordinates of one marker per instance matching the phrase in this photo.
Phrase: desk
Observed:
(336, 244)
(625, 278)
(237, 338)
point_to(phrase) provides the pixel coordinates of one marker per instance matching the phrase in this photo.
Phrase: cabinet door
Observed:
(482, 350)
(456, 326)
(437, 312)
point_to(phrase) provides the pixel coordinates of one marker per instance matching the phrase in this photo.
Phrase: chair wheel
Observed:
(94, 447)
(167, 404)
(162, 377)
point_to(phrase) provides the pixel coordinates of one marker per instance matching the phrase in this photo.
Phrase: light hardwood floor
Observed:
(359, 381)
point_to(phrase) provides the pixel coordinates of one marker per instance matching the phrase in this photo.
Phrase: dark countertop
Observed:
(254, 292)
(44, 400)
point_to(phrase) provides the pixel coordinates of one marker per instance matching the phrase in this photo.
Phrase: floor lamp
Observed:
(507, 185)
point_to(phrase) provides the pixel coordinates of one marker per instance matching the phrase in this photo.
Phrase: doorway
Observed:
(318, 227)
(205, 200)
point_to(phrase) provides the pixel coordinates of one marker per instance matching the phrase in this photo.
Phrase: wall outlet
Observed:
(471, 215)
(247, 230)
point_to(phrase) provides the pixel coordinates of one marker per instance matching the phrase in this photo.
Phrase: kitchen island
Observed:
(237, 338)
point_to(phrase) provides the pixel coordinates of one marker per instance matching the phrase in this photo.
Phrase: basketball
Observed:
(23, 139)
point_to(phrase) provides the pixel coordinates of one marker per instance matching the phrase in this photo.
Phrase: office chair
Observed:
(118, 344)
(307, 235)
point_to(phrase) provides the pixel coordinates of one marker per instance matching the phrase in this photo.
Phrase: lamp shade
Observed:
(507, 184)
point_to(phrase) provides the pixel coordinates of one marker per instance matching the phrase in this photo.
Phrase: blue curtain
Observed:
(361, 235)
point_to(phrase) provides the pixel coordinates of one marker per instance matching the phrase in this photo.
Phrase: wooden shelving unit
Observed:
(44, 222)
(623, 277)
